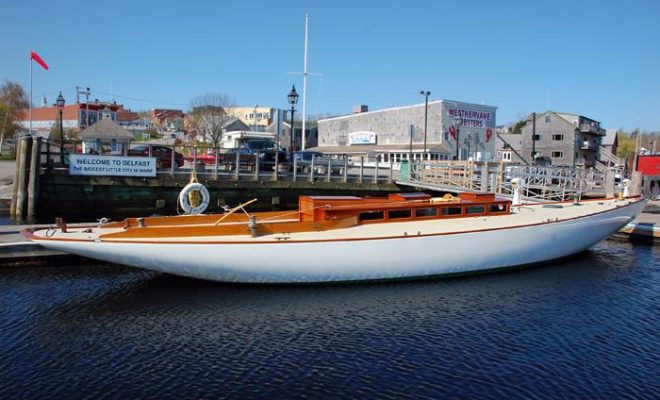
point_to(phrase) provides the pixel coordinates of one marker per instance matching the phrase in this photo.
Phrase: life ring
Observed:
(190, 201)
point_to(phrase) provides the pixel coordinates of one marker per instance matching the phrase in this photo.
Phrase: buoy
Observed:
(195, 197)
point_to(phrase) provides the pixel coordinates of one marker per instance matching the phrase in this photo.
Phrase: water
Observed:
(587, 327)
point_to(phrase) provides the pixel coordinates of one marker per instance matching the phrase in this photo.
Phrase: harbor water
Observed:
(584, 327)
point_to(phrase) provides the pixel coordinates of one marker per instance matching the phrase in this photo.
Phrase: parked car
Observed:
(267, 160)
(163, 155)
(207, 158)
(303, 160)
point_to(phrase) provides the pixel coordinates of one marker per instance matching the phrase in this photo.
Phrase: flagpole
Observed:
(304, 105)
(30, 131)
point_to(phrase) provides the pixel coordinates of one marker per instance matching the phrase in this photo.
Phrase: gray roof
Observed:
(105, 129)
(235, 121)
(513, 139)
(610, 136)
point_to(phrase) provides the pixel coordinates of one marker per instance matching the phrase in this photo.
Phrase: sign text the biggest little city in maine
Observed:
(95, 165)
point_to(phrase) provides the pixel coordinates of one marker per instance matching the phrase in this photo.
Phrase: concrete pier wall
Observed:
(79, 198)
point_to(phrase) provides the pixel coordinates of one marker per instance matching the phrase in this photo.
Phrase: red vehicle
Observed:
(163, 154)
(203, 158)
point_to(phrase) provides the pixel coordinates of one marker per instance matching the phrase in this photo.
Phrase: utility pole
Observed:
(533, 138)
(86, 93)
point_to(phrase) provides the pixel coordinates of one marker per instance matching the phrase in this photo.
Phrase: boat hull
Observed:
(365, 259)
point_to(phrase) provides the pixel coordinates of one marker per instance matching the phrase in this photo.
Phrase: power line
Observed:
(139, 99)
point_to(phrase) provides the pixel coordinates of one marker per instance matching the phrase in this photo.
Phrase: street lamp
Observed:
(60, 105)
(426, 95)
(292, 97)
(458, 121)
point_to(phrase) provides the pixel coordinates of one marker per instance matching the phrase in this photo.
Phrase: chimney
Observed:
(360, 108)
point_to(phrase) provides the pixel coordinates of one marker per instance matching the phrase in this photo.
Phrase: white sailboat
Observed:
(336, 239)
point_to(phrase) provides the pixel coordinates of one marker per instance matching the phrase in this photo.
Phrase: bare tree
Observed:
(210, 113)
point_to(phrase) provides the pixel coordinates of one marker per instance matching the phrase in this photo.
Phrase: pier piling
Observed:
(21, 183)
(33, 179)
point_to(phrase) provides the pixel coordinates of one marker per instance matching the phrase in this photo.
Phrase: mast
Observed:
(304, 97)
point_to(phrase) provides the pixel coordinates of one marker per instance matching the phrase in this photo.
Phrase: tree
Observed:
(517, 127)
(626, 143)
(209, 113)
(12, 100)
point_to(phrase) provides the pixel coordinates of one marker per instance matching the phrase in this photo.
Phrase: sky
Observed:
(600, 59)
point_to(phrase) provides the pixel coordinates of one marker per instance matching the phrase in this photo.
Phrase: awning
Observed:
(384, 148)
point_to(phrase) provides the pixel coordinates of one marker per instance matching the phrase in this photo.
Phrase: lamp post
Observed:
(468, 142)
(458, 121)
(292, 97)
(426, 95)
(60, 105)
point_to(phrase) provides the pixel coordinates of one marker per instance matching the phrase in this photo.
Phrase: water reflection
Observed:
(583, 325)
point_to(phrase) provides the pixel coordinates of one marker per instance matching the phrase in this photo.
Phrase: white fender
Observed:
(185, 202)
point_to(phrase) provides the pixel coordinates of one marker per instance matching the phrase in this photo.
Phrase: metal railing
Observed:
(538, 183)
(221, 164)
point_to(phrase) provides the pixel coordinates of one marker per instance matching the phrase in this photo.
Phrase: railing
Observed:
(542, 183)
(539, 183)
(260, 166)
(589, 128)
(588, 145)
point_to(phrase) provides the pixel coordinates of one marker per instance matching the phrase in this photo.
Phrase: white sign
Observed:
(362, 137)
(93, 165)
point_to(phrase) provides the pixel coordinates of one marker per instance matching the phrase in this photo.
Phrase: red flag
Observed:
(452, 131)
(489, 133)
(34, 56)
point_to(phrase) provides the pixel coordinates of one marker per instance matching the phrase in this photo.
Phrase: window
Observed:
(557, 154)
(426, 212)
(451, 211)
(558, 137)
(474, 210)
(371, 215)
(547, 119)
(397, 214)
(536, 137)
(496, 208)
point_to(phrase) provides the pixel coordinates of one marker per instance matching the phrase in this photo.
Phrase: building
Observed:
(610, 141)
(257, 118)
(105, 137)
(508, 148)
(75, 117)
(456, 130)
(562, 139)
(167, 119)
(138, 127)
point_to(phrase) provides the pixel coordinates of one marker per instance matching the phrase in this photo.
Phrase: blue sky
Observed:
(596, 58)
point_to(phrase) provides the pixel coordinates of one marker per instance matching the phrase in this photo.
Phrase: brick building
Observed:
(76, 116)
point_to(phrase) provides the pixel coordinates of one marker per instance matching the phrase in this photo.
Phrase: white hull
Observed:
(339, 260)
